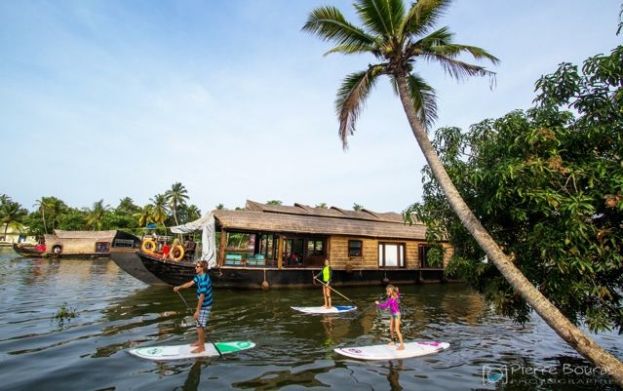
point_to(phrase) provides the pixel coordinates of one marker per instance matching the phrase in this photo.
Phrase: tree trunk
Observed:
(550, 313)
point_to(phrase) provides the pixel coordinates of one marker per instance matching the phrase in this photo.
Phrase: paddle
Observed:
(334, 290)
(188, 320)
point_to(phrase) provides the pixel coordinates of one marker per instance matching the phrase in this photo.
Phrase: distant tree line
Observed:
(167, 209)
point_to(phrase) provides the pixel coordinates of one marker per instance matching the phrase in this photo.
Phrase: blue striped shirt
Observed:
(204, 285)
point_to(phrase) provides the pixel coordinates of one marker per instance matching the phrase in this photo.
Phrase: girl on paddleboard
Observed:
(325, 275)
(393, 304)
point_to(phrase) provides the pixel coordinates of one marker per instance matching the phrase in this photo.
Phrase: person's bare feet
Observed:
(401, 347)
(198, 350)
(194, 344)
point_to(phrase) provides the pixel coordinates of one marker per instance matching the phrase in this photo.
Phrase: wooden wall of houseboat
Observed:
(73, 246)
(338, 252)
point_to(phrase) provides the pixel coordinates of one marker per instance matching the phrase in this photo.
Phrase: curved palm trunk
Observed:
(550, 313)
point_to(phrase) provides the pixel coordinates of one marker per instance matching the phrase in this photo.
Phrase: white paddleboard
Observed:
(322, 310)
(390, 352)
(180, 352)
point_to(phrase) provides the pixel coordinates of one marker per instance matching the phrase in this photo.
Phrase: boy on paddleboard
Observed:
(325, 275)
(204, 302)
(393, 304)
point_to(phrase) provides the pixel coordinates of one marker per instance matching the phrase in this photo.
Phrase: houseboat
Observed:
(80, 244)
(278, 246)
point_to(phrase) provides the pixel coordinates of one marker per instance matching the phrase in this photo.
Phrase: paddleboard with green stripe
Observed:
(180, 352)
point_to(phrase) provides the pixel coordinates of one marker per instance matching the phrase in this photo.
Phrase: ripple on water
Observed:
(116, 312)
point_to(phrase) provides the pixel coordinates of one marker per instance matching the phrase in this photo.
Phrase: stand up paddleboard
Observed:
(322, 310)
(387, 352)
(179, 352)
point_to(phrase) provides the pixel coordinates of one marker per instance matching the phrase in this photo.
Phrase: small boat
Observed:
(81, 244)
(27, 250)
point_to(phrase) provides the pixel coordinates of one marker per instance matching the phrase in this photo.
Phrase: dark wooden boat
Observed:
(27, 250)
(130, 263)
(257, 277)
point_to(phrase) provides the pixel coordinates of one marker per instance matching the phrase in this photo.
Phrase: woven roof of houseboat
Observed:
(85, 234)
(310, 220)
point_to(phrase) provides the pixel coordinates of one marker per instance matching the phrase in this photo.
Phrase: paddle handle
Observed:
(334, 290)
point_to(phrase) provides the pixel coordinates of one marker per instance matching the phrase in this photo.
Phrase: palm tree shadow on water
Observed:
(194, 376)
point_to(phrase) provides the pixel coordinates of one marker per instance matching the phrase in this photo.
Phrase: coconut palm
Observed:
(159, 210)
(96, 215)
(41, 205)
(144, 215)
(11, 213)
(176, 196)
(397, 37)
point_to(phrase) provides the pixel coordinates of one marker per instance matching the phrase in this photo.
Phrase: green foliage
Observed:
(357, 207)
(548, 185)
(65, 313)
(274, 202)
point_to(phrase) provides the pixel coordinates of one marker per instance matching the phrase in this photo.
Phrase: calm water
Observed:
(294, 351)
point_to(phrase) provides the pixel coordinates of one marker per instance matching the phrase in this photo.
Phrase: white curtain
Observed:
(207, 225)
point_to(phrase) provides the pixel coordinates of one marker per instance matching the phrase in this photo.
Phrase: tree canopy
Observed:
(548, 184)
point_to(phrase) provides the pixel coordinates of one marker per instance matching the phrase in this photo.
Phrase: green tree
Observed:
(357, 207)
(274, 202)
(548, 184)
(144, 216)
(397, 37)
(95, 216)
(176, 197)
(127, 206)
(159, 210)
(11, 213)
(41, 205)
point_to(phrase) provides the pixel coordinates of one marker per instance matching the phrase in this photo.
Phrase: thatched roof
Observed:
(95, 235)
(305, 219)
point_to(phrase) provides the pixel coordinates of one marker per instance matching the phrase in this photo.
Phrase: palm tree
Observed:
(357, 207)
(144, 215)
(192, 213)
(176, 196)
(159, 211)
(397, 37)
(96, 215)
(41, 204)
(11, 213)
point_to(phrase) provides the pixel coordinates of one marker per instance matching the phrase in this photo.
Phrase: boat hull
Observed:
(27, 251)
(130, 263)
(177, 273)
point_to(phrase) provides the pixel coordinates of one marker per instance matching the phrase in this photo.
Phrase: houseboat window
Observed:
(102, 247)
(267, 246)
(391, 255)
(354, 248)
(315, 247)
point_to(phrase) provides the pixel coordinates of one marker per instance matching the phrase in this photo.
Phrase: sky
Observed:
(106, 99)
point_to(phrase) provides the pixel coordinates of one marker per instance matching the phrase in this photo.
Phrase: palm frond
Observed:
(352, 49)
(329, 24)
(424, 99)
(351, 96)
(453, 50)
(422, 16)
(440, 37)
(459, 70)
(383, 17)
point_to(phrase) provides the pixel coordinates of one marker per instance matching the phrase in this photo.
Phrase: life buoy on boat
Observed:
(57, 250)
(177, 253)
(148, 246)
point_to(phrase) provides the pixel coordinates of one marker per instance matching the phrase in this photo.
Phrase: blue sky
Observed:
(108, 99)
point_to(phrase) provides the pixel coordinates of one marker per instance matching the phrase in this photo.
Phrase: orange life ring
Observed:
(177, 253)
(148, 246)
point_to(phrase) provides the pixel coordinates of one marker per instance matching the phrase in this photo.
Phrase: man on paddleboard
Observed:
(204, 302)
